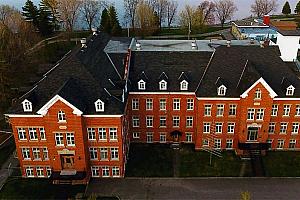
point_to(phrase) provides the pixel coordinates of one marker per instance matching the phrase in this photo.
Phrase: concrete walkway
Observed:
(196, 188)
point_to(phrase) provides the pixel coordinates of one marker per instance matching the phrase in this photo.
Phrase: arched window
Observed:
(184, 85)
(163, 85)
(27, 106)
(61, 116)
(290, 91)
(99, 106)
(222, 90)
(257, 94)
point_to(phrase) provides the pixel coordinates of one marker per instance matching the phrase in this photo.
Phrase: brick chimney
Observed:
(267, 20)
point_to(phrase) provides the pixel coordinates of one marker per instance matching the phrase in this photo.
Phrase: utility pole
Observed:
(189, 33)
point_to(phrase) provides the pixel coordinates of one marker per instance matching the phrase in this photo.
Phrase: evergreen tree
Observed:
(46, 24)
(114, 22)
(286, 8)
(105, 22)
(51, 7)
(30, 12)
(297, 9)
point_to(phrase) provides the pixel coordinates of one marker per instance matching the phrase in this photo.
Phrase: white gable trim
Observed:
(265, 84)
(16, 115)
(43, 111)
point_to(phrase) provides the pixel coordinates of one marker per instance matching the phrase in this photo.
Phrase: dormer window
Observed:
(163, 85)
(99, 106)
(27, 106)
(184, 85)
(290, 91)
(222, 90)
(257, 94)
(141, 85)
(61, 115)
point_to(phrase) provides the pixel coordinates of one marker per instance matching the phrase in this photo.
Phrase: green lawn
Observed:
(150, 160)
(180, 31)
(282, 163)
(38, 189)
(196, 163)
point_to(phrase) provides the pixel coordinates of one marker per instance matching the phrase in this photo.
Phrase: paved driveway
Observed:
(200, 188)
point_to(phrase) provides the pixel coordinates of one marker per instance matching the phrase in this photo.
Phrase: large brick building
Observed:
(77, 122)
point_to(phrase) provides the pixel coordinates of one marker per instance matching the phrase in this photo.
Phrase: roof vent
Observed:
(194, 45)
(251, 41)
(94, 30)
(138, 46)
(228, 43)
(83, 43)
(262, 44)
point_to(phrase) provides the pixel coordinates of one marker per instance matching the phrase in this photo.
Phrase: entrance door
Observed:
(252, 134)
(67, 162)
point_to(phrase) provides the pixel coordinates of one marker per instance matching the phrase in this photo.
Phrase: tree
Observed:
(7, 14)
(130, 11)
(263, 7)
(91, 10)
(45, 23)
(116, 29)
(160, 8)
(207, 10)
(105, 21)
(30, 12)
(68, 10)
(297, 9)
(147, 19)
(52, 5)
(225, 10)
(171, 12)
(286, 8)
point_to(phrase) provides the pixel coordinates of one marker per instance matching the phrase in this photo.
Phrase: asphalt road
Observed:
(197, 188)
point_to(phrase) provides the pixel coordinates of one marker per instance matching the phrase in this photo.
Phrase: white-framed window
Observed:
(290, 91)
(222, 90)
(149, 137)
(286, 110)
(103, 154)
(113, 134)
(22, 133)
(220, 110)
(229, 143)
(176, 121)
(95, 171)
(188, 137)
(93, 153)
(176, 104)
(91, 133)
(39, 171)
(59, 139)
(205, 142)
(207, 110)
(295, 128)
(257, 94)
(149, 104)
(135, 121)
(189, 121)
(251, 113)
(162, 104)
(48, 171)
(292, 144)
(114, 153)
(219, 127)
(115, 171)
(99, 106)
(29, 171)
(260, 114)
(25, 153)
(135, 104)
(163, 85)
(162, 137)
(42, 133)
(36, 153)
(283, 127)
(190, 104)
(162, 121)
(142, 85)
(184, 85)
(61, 116)
(217, 144)
(206, 127)
(32, 134)
(297, 114)
(232, 110)
(274, 110)
(45, 153)
(70, 139)
(27, 106)
(105, 171)
(280, 144)
(149, 121)
(102, 134)
(230, 127)
(136, 135)
(272, 126)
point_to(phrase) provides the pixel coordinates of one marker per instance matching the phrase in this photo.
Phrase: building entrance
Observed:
(252, 134)
(67, 161)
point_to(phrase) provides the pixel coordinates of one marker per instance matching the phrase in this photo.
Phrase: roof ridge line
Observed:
(242, 73)
(113, 65)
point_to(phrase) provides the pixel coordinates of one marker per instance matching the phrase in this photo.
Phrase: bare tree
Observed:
(130, 11)
(171, 12)
(146, 18)
(91, 11)
(69, 10)
(207, 9)
(225, 10)
(160, 7)
(263, 7)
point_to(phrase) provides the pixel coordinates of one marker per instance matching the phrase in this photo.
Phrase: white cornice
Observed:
(102, 116)
(218, 98)
(19, 116)
(183, 93)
